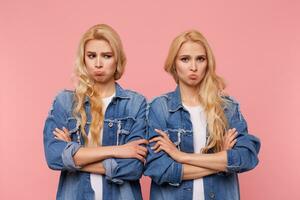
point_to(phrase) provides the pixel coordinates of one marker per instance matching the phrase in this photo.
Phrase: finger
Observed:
(141, 148)
(157, 138)
(233, 136)
(141, 158)
(59, 130)
(59, 138)
(234, 141)
(58, 135)
(160, 132)
(155, 146)
(158, 150)
(142, 153)
(62, 136)
(231, 131)
(66, 131)
(141, 141)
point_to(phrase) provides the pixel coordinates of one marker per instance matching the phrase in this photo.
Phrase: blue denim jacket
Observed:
(125, 120)
(167, 113)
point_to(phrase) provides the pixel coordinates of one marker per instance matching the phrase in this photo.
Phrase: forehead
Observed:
(193, 48)
(98, 46)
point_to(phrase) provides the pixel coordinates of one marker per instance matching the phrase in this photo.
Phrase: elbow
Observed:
(171, 175)
(53, 163)
(241, 160)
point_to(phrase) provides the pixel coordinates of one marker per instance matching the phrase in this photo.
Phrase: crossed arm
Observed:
(90, 158)
(195, 165)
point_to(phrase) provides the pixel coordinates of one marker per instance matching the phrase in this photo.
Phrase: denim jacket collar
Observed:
(174, 102)
(120, 93)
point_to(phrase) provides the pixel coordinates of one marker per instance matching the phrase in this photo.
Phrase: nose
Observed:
(98, 63)
(193, 66)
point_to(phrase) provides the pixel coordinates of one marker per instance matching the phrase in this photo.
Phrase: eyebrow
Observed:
(108, 52)
(189, 55)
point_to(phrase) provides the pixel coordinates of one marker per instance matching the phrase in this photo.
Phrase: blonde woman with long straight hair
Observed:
(95, 135)
(198, 138)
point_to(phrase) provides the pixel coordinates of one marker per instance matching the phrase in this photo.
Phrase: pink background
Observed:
(256, 44)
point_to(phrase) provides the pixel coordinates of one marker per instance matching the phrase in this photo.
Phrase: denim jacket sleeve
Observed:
(244, 155)
(160, 166)
(119, 170)
(59, 154)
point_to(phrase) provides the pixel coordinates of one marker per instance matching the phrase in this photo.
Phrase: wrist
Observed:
(181, 157)
(186, 157)
(114, 152)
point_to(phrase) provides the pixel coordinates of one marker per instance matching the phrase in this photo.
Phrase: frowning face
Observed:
(100, 61)
(191, 63)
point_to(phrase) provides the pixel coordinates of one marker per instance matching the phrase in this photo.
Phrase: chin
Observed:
(193, 83)
(103, 79)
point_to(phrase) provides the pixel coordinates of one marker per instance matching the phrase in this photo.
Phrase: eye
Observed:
(91, 55)
(201, 58)
(184, 59)
(107, 56)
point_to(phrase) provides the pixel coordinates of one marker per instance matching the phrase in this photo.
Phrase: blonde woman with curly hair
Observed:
(95, 135)
(198, 138)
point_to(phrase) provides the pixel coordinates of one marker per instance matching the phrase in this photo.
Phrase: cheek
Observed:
(202, 68)
(89, 64)
(111, 64)
(181, 69)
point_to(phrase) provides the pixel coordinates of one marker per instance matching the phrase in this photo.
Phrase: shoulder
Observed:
(232, 107)
(64, 99)
(229, 101)
(159, 104)
(135, 96)
(64, 96)
(160, 100)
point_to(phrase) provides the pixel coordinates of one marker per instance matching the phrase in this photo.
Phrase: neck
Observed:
(105, 89)
(189, 95)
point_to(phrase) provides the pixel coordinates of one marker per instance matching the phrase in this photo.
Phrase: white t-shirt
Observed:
(96, 179)
(199, 134)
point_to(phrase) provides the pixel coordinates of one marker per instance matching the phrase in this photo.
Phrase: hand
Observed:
(132, 150)
(164, 143)
(229, 139)
(63, 134)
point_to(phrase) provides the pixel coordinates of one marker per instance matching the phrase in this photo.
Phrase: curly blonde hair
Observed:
(85, 85)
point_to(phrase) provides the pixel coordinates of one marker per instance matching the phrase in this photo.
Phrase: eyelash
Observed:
(107, 56)
(201, 59)
(91, 56)
(184, 59)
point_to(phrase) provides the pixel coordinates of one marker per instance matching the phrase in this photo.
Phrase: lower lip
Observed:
(193, 77)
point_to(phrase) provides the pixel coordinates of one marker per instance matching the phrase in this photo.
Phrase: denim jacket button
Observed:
(110, 124)
(212, 195)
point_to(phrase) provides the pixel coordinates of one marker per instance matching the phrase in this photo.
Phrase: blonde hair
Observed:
(85, 85)
(209, 89)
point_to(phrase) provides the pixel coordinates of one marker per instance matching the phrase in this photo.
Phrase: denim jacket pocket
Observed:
(74, 129)
(124, 126)
(175, 136)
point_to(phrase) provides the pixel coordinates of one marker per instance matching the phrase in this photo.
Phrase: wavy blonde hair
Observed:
(85, 85)
(209, 89)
